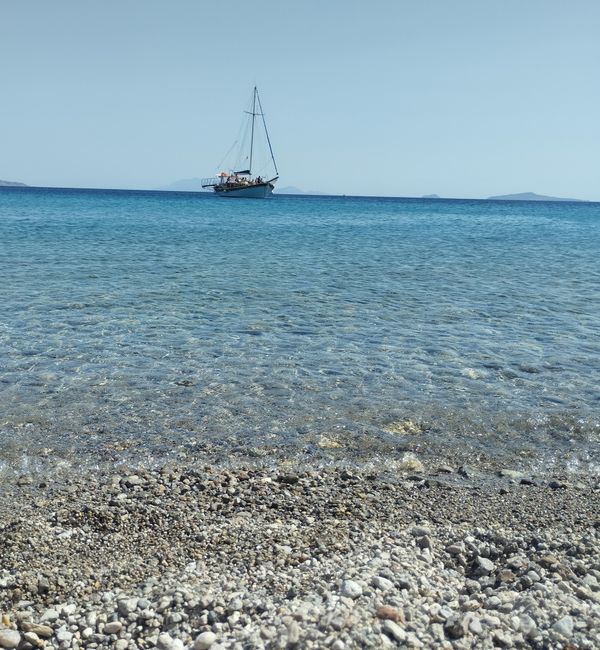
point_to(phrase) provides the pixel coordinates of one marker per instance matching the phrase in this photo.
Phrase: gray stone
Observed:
(9, 638)
(528, 626)
(351, 589)
(511, 473)
(502, 639)
(485, 565)
(466, 471)
(293, 633)
(50, 615)
(564, 626)
(379, 582)
(114, 627)
(394, 630)
(127, 606)
(558, 485)
(164, 641)
(493, 602)
(235, 605)
(455, 627)
(63, 635)
(420, 531)
(475, 626)
(455, 549)
(68, 609)
(204, 641)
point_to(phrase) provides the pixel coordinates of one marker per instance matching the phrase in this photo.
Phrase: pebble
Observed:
(50, 615)
(527, 626)
(485, 565)
(390, 613)
(204, 641)
(475, 626)
(382, 583)
(511, 473)
(351, 589)
(127, 606)
(42, 631)
(293, 633)
(455, 549)
(165, 641)
(564, 626)
(114, 627)
(9, 638)
(394, 630)
(331, 559)
(558, 485)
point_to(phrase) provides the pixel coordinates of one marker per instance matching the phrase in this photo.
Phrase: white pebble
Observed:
(49, 616)
(127, 606)
(9, 638)
(564, 626)
(394, 630)
(165, 641)
(351, 589)
(204, 641)
(379, 582)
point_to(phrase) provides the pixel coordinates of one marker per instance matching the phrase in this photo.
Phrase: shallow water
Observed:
(137, 326)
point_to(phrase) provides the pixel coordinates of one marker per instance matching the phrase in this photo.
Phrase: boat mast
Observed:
(266, 132)
(252, 134)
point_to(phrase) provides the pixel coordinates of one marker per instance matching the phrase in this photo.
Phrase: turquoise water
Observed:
(139, 326)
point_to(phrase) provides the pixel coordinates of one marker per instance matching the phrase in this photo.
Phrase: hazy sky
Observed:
(464, 98)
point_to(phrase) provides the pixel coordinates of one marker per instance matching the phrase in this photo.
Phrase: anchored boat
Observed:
(243, 182)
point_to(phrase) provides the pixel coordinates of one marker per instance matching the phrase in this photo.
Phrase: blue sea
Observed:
(143, 327)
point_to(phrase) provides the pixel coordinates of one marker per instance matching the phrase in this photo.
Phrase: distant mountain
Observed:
(11, 184)
(528, 196)
(431, 196)
(291, 189)
(184, 185)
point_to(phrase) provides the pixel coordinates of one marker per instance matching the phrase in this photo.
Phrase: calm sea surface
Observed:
(141, 326)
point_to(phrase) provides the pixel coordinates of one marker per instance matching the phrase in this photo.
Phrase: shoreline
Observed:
(283, 558)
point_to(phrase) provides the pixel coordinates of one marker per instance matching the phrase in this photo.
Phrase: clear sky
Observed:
(463, 98)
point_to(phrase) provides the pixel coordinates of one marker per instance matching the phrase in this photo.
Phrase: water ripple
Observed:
(175, 321)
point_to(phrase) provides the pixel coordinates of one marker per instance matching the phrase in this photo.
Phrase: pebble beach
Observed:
(214, 557)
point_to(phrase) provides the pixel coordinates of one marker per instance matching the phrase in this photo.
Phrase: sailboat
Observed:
(242, 182)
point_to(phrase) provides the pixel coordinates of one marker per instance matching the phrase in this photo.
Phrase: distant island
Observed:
(528, 196)
(11, 184)
(431, 196)
(292, 189)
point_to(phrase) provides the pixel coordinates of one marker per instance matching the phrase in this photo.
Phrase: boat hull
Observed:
(257, 191)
